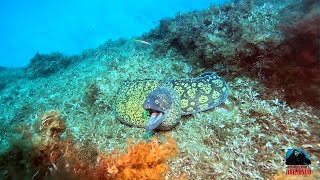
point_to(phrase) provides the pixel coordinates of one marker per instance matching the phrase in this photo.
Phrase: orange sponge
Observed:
(142, 161)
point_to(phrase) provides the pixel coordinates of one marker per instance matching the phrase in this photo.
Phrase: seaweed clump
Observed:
(43, 65)
(36, 151)
(275, 42)
(48, 145)
(142, 161)
(51, 153)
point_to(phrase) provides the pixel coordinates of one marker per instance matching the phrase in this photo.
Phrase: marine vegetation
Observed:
(49, 155)
(142, 161)
(42, 65)
(266, 52)
(272, 41)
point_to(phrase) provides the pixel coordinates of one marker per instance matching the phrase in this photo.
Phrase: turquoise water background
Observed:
(28, 27)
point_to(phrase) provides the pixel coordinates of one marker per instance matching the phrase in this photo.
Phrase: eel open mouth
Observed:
(156, 118)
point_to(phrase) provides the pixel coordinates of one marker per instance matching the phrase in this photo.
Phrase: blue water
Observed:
(32, 26)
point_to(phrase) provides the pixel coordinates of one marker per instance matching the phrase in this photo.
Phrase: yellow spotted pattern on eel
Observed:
(190, 109)
(203, 106)
(192, 103)
(191, 92)
(179, 90)
(184, 103)
(215, 94)
(218, 82)
(203, 99)
(206, 88)
(200, 84)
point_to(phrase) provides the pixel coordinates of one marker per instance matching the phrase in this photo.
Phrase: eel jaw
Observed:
(157, 117)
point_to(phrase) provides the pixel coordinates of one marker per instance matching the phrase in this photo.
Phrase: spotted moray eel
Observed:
(156, 104)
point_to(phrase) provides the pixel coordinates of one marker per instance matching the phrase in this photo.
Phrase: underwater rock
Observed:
(43, 65)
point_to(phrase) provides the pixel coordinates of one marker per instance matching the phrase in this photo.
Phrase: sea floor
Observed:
(245, 137)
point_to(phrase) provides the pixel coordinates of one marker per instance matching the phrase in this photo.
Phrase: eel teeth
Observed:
(155, 120)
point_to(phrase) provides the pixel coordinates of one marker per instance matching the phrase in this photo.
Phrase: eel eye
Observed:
(156, 101)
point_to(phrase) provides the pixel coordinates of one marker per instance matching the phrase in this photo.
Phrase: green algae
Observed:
(245, 137)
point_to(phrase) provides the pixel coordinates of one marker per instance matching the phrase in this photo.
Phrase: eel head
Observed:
(164, 107)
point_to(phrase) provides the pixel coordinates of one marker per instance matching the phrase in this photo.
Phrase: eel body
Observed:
(156, 104)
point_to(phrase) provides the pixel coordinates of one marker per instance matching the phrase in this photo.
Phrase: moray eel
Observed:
(156, 104)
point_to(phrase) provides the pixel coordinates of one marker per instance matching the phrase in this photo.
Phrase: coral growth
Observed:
(37, 150)
(52, 124)
(48, 145)
(142, 161)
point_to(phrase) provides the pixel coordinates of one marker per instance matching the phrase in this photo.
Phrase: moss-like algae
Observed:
(245, 137)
